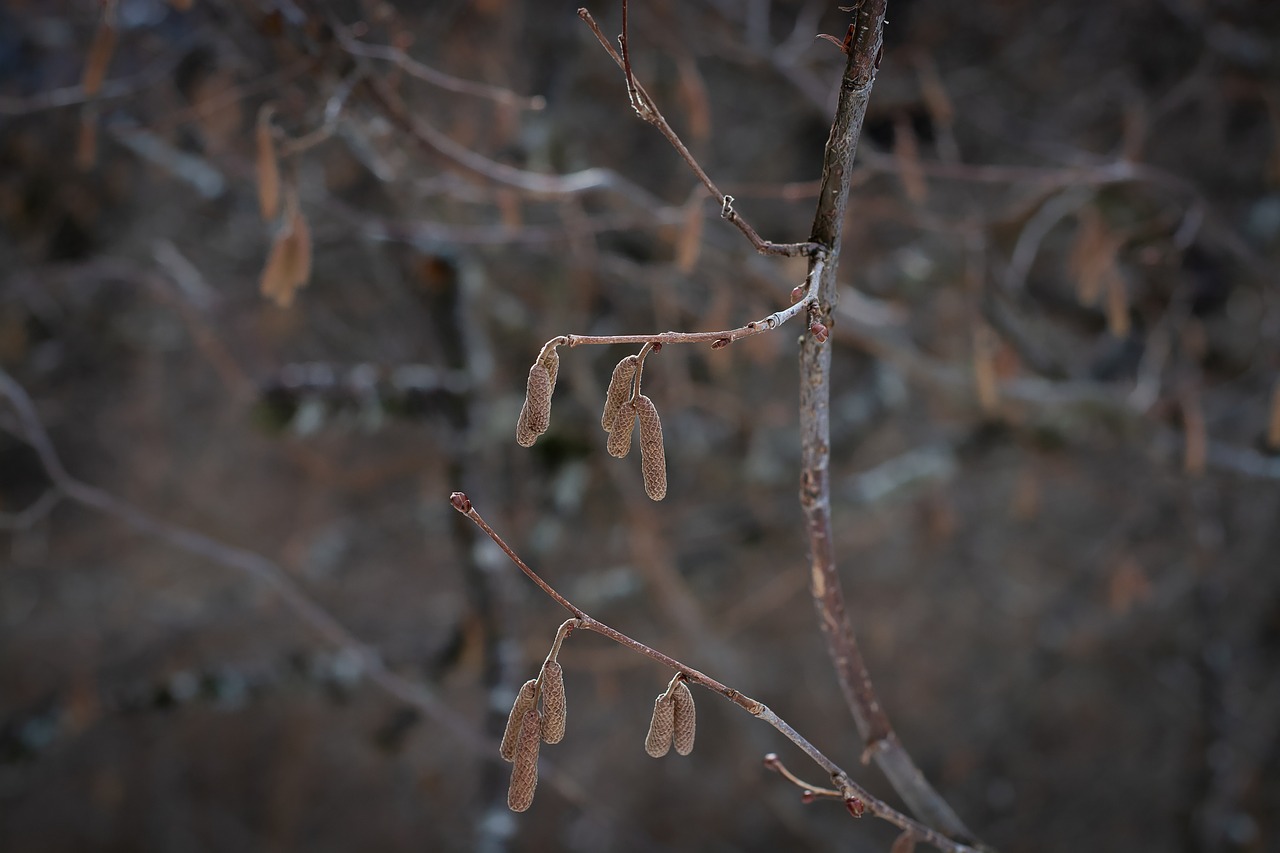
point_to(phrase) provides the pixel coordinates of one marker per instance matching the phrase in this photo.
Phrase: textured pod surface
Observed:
(524, 775)
(658, 741)
(653, 458)
(685, 720)
(620, 436)
(550, 361)
(525, 700)
(624, 373)
(554, 706)
(535, 416)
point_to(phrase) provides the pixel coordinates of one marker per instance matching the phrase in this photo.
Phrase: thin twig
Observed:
(716, 339)
(848, 789)
(648, 110)
(254, 565)
(440, 79)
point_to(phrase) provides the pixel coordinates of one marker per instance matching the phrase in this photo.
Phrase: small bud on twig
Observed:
(460, 502)
(819, 331)
(855, 806)
(685, 721)
(658, 741)
(525, 699)
(653, 459)
(797, 293)
(554, 704)
(524, 775)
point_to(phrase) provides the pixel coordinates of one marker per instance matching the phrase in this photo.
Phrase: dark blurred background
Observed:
(1055, 421)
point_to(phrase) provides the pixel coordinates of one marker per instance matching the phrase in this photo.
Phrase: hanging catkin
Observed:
(624, 422)
(619, 390)
(524, 775)
(550, 360)
(653, 459)
(685, 722)
(535, 416)
(658, 740)
(554, 706)
(525, 700)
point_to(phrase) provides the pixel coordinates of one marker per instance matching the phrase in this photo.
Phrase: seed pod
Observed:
(535, 416)
(551, 361)
(524, 775)
(658, 741)
(685, 721)
(554, 705)
(624, 373)
(620, 436)
(653, 459)
(525, 700)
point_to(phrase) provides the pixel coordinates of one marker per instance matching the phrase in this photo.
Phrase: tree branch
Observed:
(865, 44)
(856, 798)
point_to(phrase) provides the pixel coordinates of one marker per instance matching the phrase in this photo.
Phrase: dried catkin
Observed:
(653, 459)
(524, 775)
(550, 360)
(535, 416)
(624, 422)
(619, 390)
(554, 705)
(658, 741)
(525, 700)
(685, 721)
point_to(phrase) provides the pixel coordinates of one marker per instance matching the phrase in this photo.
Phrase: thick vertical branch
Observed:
(864, 49)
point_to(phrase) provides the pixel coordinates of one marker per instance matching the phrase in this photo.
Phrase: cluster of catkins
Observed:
(623, 406)
(528, 727)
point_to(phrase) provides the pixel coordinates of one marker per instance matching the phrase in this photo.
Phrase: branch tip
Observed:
(460, 502)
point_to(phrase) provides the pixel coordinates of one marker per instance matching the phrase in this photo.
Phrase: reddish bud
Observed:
(797, 294)
(720, 343)
(460, 502)
(819, 331)
(771, 762)
(855, 806)
(807, 796)
(655, 347)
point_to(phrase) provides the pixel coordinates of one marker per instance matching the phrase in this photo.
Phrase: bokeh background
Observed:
(1055, 421)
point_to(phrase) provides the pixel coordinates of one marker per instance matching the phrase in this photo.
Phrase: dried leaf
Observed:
(289, 263)
(524, 775)
(661, 727)
(554, 703)
(619, 390)
(624, 422)
(525, 699)
(906, 152)
(1093, 255)
(87, 140)
(1117, 303)
(509, 209)
(689, 238)
(985, 346)
(99, 57)
(685, 719)
(268, 166)
(653, 459)
(692, 93)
